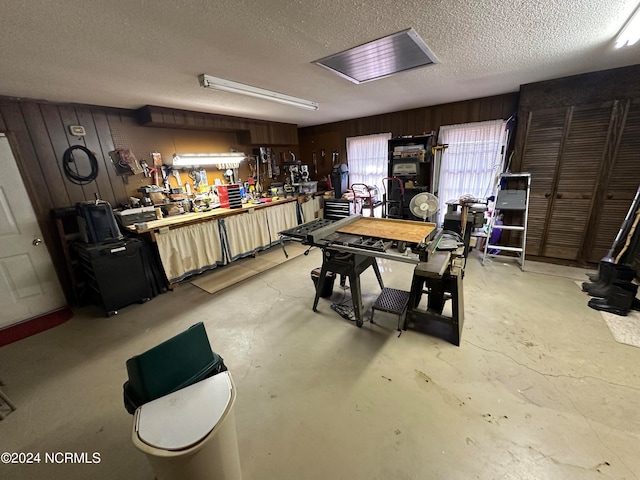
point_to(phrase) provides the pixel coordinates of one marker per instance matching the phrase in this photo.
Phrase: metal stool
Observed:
(392, 301)
(6, 400)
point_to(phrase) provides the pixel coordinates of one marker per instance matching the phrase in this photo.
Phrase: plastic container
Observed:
(191, 433)
(308, 187)
(327, 289)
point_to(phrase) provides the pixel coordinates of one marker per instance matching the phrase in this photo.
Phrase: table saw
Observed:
(352, 244)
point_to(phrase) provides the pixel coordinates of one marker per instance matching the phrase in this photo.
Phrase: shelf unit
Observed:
(509, 200)
(401, 151)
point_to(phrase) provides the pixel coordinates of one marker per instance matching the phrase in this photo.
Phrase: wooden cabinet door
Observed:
(585, 140)
(540, 153)
(619, 185)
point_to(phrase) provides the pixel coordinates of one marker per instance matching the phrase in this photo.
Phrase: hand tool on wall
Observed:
(176, 173)
(197, 179)
(252, 168)
(153, 171)
(157, 159)
(323, 155)
(265, 157)
(274, 167)
(315, 162)
(166, 172)
(258, 185)
(145, 168)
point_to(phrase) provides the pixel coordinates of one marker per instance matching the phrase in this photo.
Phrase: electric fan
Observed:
(423, 205)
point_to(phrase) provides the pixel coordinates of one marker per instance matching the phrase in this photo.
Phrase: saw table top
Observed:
(390, 229)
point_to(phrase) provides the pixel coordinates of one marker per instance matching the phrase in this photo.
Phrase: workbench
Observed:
(191, 243)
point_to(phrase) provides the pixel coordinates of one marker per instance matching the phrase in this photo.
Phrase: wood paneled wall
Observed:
(332, 136)
(42, 134)
(39, 133)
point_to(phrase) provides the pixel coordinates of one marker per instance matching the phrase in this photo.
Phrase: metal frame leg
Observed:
(356, 298)
(457, 308)
(6, 400)
(320, 286)
(377, 272)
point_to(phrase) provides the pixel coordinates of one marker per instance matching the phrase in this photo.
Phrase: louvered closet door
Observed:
(621, 185)
(578, 173)
(540, 158)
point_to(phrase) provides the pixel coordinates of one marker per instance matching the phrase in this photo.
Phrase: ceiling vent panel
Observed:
(380, 58)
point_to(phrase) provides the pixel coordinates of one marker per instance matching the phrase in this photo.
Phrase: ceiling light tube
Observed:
(630, 33)
(216, 83)
(225, 160)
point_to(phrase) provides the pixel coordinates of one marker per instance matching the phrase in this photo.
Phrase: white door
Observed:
(29, 286)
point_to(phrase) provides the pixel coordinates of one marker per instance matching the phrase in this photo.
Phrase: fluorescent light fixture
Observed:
(630, 34)
(216, 83)
(220, 160)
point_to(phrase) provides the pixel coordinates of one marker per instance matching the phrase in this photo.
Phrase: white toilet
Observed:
(191, 434)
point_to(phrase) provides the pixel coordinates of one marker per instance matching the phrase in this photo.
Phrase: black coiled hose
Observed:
(74, 176)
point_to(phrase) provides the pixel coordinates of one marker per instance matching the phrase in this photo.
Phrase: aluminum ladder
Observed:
(509, 200)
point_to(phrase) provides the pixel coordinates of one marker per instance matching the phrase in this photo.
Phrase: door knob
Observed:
(37, 241)
(547, 195)
(609, 196)
(558, 195)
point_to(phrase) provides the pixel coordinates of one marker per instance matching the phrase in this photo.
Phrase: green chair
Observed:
(172, 365)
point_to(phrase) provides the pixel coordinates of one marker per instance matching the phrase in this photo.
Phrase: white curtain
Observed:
(368, 158)
(245, 234)
(472, 160)
(190, 249)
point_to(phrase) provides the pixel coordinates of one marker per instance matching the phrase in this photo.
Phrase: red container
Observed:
(229, 196)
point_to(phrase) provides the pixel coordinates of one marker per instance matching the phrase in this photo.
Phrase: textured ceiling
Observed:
(128, 54)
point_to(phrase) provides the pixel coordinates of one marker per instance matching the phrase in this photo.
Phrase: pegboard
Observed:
(142, 141)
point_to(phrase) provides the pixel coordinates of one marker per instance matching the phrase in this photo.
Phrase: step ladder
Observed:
(507, 199)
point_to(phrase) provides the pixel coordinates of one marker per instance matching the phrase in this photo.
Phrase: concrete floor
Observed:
(538, 388)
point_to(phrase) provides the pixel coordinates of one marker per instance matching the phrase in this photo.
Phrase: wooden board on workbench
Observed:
(390, 229)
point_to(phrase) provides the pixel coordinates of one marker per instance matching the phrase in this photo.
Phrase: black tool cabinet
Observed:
(115, 274)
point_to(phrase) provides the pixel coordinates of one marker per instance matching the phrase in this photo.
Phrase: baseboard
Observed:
(25, 329)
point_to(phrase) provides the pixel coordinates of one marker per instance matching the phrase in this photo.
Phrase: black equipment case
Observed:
(116, 274)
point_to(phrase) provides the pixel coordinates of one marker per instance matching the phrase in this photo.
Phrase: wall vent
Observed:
(380, 58)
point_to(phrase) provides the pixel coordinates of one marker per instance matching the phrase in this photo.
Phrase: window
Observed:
(472, 160)
(368, 158)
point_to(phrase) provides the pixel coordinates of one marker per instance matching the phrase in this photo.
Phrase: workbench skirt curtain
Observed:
(309, 209)
(279, 218)
(248, 233)
(245, 234)
(190, 250)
